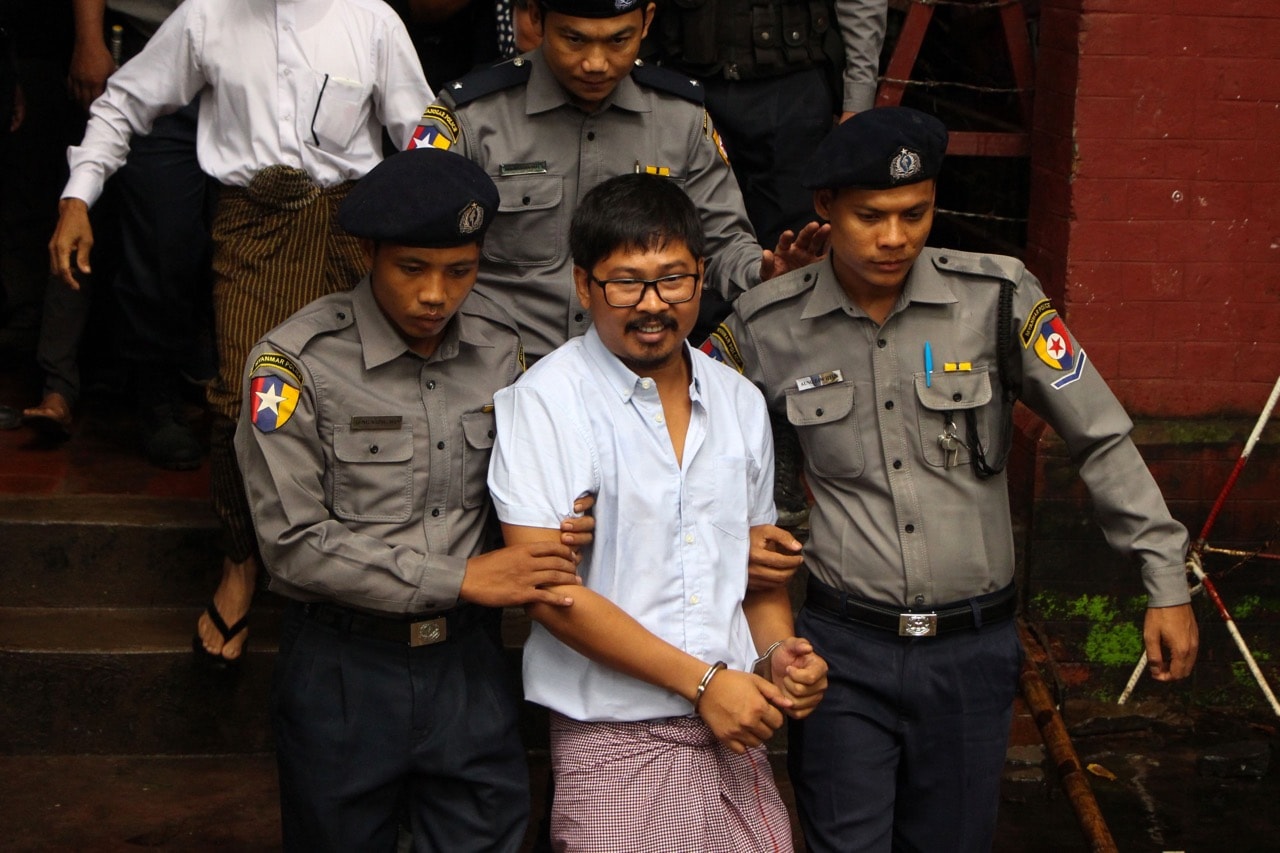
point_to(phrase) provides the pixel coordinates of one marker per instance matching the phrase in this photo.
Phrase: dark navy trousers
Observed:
(368, 729)
(907, 748)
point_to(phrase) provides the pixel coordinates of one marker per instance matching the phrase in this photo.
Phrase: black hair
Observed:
(634, 211)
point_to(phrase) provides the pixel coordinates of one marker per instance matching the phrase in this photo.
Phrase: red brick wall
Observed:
(1155, 210)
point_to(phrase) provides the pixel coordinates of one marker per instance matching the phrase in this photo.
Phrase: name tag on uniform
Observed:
(818, 380)
(538, 167)
(376, 422)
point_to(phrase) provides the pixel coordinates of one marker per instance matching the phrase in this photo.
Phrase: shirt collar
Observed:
(923, 287)
(544, 92)
(621, 378)
(381, 342)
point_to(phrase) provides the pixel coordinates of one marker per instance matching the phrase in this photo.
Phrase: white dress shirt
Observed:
(671, 541)
(302, 83)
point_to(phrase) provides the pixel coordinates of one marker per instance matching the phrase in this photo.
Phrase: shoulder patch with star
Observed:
(273, 396)
(486, 81)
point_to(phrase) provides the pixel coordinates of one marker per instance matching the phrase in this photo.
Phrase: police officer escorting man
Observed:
(552, 124)
(898, 366)
(365, 440)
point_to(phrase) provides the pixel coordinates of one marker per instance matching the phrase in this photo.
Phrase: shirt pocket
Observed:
(827, 424)
(373, 474)
(478, 430)
(952, 395)
(735, 478)
(531, 219)
(341, 110)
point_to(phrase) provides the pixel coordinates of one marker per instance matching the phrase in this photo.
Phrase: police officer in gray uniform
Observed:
(898, 366)
(550, 125)
(365, 443)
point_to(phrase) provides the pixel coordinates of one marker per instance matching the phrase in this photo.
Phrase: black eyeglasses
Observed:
(629, 292)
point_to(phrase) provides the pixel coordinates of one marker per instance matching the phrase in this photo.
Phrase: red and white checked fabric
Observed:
(661, 786)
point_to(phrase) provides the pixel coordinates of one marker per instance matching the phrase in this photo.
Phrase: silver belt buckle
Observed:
(428, 632)
(917, 624)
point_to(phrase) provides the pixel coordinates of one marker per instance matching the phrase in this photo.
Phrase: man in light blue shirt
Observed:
(658, 713)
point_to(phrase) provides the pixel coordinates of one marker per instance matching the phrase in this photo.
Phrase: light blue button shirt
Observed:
(671, 542)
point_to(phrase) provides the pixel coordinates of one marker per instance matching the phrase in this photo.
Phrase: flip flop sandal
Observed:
(207, 657)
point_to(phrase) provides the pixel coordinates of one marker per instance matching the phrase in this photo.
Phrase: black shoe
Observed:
(169, 441)
(788, 490)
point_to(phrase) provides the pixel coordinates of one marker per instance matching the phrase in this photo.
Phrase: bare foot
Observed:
(232, 600)
(53, 415)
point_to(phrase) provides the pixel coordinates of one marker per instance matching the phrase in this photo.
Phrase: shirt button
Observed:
(373, 448)
(439, 445)
(919, 601)
(882, 343)
(897, 463)
(688, 538)
(660, 419)
(645, 384)
(431, 385)
(435, 513)
(591, 135)
(888, 404)
(818, 412)
(910, 528)
(957, 396)
(693, 599)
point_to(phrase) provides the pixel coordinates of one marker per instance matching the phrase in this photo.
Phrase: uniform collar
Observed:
(381, 342)
(923, 286)
(544, 93)
(621, 378)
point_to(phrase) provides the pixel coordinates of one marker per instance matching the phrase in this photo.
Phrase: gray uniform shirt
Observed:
(364, 463)
(545, 154)
(891, 520)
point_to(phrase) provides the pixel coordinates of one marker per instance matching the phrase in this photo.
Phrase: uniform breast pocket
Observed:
(735, 479)
(827, 425)
(341, 110)
(948, 399)
(531, 220)
(372, 474)
(478, 430)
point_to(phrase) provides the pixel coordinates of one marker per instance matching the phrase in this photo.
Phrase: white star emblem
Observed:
(268, 398)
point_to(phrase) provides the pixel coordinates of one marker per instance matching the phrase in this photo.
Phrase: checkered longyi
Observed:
(661, 786)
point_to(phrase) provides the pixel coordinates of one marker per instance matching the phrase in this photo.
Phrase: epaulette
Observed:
(671, 82)
(479, 305)
(318, 318)
(776, 290)
(486, 81)
(974, 263)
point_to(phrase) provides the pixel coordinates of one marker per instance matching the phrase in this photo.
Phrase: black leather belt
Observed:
(420, 630)
(956, 616)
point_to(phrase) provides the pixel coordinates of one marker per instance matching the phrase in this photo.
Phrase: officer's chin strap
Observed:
(1010, 391)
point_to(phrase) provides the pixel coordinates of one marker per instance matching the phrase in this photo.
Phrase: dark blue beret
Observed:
(879, 149)
(593, 8)
(424, 197)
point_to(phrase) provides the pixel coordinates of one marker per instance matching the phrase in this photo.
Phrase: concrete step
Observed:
(107, 551)
(123, 680)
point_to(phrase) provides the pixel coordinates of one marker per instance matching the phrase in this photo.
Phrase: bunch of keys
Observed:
(949, 441)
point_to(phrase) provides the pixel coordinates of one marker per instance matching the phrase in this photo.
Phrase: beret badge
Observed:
(905, 165)
(471, 218)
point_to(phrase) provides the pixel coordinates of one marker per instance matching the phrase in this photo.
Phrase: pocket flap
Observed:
(529, 192)
(820, 405)
(372, 445)
(479, 428)
(956, 391)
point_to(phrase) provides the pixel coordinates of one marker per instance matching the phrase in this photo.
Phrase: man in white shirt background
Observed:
(294, 96)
